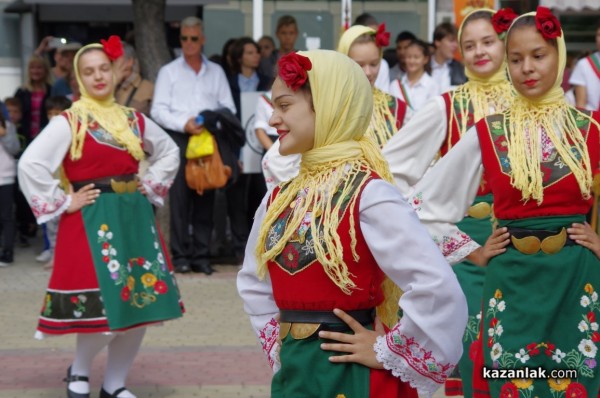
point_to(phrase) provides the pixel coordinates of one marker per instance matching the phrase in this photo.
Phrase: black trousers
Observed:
(191, 215)
(7, 216)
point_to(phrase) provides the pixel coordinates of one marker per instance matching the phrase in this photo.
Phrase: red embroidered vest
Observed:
(100, 148)
(562, 195)
(299, 280)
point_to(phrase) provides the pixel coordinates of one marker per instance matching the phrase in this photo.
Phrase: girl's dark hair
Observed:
(527, 21)
(237, 52)
(225, 55)
(425, 50)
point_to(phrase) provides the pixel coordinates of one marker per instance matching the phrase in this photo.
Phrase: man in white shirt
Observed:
(185, 87)
(445, 70)
(586, 79)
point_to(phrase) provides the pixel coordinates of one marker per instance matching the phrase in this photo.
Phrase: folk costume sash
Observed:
(594, 60)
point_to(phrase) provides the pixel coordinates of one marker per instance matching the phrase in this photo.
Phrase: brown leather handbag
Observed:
(207, 172)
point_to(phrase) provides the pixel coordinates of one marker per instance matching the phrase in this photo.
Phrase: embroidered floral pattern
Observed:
(583, 359)
(159, 188)
(411, 362)
(268, 337)
(553, 167)
(299, 252)
(78, 302)
(41, 207)
(151, 282)
(456, 247)
(417, 201)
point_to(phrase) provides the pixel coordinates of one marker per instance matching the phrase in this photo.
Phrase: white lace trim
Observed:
(44, 218)
(460, 254)
(399, 367)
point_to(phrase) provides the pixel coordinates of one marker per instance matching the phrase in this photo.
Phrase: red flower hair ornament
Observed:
(382, 38)
(112, 47)
(547, 24)
(292, 70)
(502, 20)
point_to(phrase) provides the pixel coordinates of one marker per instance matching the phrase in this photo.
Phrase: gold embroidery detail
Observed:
(301, 331)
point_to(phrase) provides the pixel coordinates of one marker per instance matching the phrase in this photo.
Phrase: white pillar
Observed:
(257, 19)
(430, 19)
(346, 9)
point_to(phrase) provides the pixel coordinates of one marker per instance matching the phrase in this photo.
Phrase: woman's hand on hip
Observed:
(85, 196)
(358, 346)
(584, 235)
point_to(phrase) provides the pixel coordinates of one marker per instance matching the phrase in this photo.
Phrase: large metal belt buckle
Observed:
(480, 210)
(532, 244)
(123, 186)
(298, 331)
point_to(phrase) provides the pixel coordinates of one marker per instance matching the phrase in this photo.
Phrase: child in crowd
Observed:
(416, 86)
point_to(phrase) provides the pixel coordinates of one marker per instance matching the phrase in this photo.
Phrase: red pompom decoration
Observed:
(502, 20)
(547, 24)
(112, 47)
(382, 38)
(293, 68)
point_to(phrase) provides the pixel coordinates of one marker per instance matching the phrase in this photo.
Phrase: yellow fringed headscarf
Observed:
(343, 105)
(110, 115)
(494, 92)
(383, 123)
(551, 113)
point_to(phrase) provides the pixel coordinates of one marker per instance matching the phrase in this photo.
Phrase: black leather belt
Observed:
(364, 317)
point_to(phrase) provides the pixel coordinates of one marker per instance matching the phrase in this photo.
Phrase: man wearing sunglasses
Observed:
(185, 87)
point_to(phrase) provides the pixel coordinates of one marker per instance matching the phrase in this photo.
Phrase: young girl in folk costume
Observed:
(326, 241)
(111, 273)
(540, 300)
(438, 127)
(416, 86)
(365, 46)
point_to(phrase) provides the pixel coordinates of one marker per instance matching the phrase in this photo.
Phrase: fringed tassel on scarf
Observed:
(383, 123)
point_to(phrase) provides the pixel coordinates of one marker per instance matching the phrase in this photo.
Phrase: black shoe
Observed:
(182, 269)
(6, 257)
(204, 268)
(70, 378)
(115, 394)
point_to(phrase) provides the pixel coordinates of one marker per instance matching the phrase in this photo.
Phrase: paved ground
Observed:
(211, 352)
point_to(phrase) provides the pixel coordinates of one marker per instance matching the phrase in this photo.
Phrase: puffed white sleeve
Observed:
(411, 151)
(443, 196)
(257, 294)
(425, 345)
(163, 156)
(37, 165)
